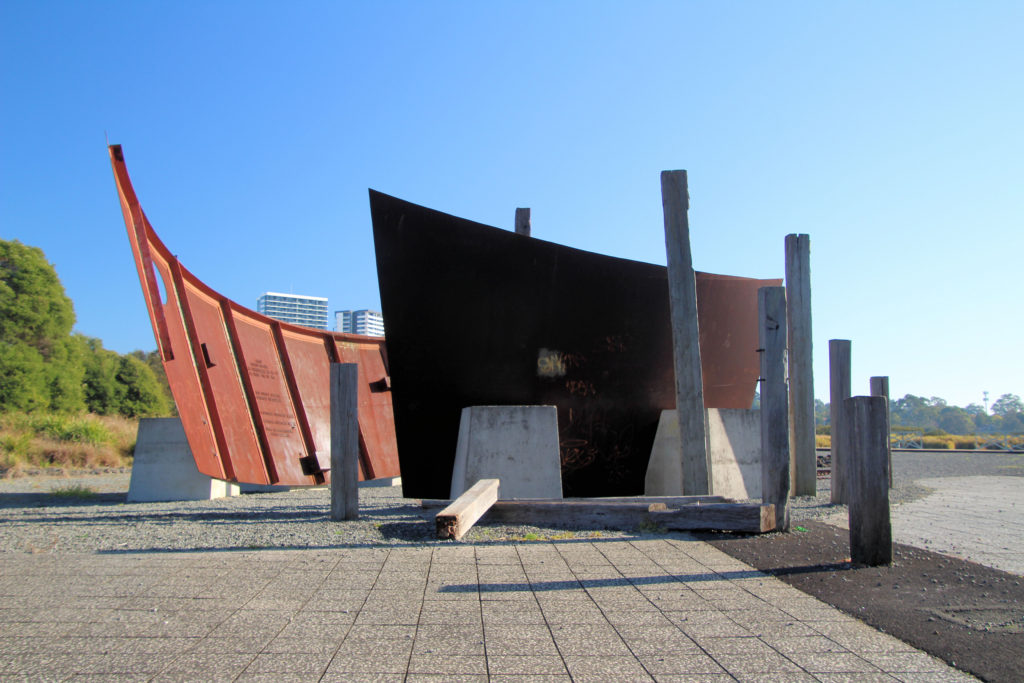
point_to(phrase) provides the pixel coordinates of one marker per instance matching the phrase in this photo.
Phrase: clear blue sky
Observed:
(892, 133)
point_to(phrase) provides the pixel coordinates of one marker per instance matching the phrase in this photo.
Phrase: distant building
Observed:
(360, 322)
(310, 311)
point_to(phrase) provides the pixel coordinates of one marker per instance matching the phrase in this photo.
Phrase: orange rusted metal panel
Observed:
(253, 393)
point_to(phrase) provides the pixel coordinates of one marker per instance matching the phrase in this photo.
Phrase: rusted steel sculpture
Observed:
(482, 316)
(253, 393)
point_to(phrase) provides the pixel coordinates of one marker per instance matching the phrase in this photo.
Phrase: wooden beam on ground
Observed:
(668, 501)
(626, 515)
(721, 517)
(459, 517)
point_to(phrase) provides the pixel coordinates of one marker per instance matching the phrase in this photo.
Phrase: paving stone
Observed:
(591, 668)
(525, 664)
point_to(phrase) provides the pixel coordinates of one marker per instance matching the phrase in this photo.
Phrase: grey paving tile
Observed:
(525, 665)
(775, 677)
(832, 662)
(447, 664)
(358, 677)
(292, 662)
(526, 647)
(374, 662)
(663, 664)
(209, 662)
(590, 668)
(531, 678)
(439, 646)
(898, 663)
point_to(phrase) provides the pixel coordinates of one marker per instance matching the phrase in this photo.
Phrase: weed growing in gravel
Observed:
(73, 491)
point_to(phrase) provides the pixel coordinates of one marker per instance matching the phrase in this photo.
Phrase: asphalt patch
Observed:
(966, 614)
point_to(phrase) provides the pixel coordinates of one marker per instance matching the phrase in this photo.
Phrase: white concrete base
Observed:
(735, 444)
(164, 470)
(515, 444)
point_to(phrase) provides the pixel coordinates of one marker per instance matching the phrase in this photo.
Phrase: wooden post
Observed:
(459, 517)
(867, 440)
(880, 387)
(344, 441)
(803, 461)
(839, 390)
(682, 288)
(523, 222)
(771, 307)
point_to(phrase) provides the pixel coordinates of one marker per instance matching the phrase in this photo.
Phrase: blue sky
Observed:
(889, 132)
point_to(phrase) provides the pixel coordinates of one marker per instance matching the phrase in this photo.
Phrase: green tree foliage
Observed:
(935, 415)
(34, 309)
(1007, 404)
(43, 366)
(143, 395)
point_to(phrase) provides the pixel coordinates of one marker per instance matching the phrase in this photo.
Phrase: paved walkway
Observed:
(615, 610)
(980, 519)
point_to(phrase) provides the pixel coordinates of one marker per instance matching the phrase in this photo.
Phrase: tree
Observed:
(1007, 404)
(34, 309)
(143, 396)
(954, 420)
(39, 368)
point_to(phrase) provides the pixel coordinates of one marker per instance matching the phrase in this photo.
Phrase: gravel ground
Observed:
(46, 513)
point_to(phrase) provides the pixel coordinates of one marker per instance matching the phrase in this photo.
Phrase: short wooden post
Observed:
(771, 307)
(839, 390)
(880, 387)
(867, 441)
(459, 517)
(803, 460)
(523, 222)
(344, 441)
(682, 288)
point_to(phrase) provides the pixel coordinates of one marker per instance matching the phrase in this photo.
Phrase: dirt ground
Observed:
(969, 615)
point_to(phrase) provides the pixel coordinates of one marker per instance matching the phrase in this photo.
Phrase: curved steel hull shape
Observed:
(253, 393)
(482, 316)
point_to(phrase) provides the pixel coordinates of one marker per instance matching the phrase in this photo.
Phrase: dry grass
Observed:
(70, 441)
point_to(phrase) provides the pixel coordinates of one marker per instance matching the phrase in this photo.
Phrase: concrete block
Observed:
(735, 450)
(515, 444)
(164, 469)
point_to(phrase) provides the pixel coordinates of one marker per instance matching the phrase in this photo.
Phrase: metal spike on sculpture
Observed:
(253, 393)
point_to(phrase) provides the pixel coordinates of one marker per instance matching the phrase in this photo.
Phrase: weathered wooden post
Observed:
(867, 441)
(839, 390)
(880, 387)
(771, 307)
(803, 459)
(344, 441)
(523, 222)
(682, 289)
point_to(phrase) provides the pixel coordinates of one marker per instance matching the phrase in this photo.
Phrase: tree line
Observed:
(934, 415)
(46, 367)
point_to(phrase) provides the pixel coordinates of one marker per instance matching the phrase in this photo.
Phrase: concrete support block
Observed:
(164, 469)
(735, 449)
(516, 444)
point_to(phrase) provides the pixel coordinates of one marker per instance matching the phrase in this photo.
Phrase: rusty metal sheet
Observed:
(253, 393)
(482, 316)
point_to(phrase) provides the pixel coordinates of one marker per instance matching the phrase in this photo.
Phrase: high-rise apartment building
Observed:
(310, 311)
(360, 322)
